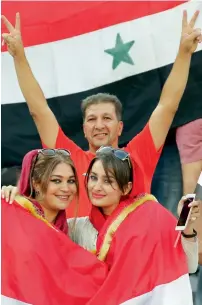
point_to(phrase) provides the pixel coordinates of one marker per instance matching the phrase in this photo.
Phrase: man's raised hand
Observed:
(190, 36)
(13, 39)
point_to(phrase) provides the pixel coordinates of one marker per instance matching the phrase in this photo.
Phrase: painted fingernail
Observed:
(10, 202)
(2, 196)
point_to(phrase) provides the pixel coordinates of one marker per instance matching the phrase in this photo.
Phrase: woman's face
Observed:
(102, 192)
(61, 188)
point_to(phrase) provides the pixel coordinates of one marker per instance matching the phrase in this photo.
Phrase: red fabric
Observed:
(25, 190)
(144, 158)
(33, 271)
(142, 151)
(44, 22)
(24, 181)
(142, 255)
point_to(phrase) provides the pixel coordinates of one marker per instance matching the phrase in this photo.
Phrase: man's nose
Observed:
(99, 124)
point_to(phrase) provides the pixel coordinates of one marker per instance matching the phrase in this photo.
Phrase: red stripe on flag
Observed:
(44, 22)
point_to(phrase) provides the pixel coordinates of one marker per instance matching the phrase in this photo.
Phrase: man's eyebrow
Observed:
(91, 114)
(107, 113)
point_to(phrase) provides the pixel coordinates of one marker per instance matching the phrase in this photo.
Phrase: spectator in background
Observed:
(189, 142)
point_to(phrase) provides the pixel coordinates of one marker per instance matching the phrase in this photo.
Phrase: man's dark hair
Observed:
(101, 98)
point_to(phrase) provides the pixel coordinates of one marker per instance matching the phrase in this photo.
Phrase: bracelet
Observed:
(189, 235)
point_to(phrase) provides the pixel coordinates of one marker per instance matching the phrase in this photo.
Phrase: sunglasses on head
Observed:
(53, 152)
(50, 152)
(118, 153)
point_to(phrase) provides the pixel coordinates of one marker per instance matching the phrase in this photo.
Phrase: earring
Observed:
(37, 193)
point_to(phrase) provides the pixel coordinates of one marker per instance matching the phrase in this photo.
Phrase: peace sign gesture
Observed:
(190, 37)
(13, 39)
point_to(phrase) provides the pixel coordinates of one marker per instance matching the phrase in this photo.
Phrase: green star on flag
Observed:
(120, 52)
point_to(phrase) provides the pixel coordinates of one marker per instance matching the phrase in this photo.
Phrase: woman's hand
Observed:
(9, 193)
(195, 213)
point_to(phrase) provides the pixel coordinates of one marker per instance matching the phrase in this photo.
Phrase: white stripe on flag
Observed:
(80, 63)
(177, 292)
(10, 301)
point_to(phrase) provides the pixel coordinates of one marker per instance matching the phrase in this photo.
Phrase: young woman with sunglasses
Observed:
(47, 184)
(40, 264)
(135, 236)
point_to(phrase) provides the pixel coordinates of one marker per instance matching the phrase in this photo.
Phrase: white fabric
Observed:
(83, 233)
(177, 292)
(10, 301)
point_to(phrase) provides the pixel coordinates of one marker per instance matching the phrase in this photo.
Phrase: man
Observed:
(102, 123)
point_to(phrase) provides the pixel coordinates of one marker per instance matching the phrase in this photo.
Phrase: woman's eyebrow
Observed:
(93, 173)
(60, 176)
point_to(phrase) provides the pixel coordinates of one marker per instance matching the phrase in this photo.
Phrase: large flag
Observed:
(80, 48)
(41, 266)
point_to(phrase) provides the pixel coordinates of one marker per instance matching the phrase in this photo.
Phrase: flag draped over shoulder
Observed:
(141, 266)
(80, 48)
(145, 266)
(42, 266)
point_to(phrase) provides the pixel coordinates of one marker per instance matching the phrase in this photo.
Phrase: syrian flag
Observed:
(76, 49)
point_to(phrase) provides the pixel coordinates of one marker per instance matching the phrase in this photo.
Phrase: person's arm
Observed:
(44, 118)
(148, 144)
(191, 251)
(190, 245)
(42, 115)
(163, 115)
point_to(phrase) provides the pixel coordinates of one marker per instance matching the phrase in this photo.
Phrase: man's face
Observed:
(101, 126)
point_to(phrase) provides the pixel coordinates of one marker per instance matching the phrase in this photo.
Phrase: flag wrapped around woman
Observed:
(41, 265)
(137, 243)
